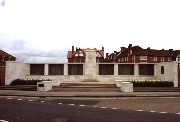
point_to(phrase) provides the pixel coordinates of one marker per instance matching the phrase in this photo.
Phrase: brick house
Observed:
(111, 58)
(78, 55)
(3, 58)
(136, 54)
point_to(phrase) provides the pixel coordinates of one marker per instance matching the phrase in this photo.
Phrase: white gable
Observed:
(98, 54)
(80, 53)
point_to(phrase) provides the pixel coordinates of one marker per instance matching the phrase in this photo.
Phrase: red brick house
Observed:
(136, 54)
(78, 55)
(3, 58)
(111, 58)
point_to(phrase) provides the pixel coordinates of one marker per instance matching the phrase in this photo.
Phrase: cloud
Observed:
(47, 32)
(58, 55)
(25, 51)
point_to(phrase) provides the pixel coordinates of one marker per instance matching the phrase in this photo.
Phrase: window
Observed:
(106, 69)
(118, 59)
(162, 58)
(122, 59)
(162, 69)
(169, 59)
(75, 69)
(154, 58)
(126, 69)
(130, 52)
(143, 58)
(146, 69)
(56, 69)
(97, 60)
(36, 69)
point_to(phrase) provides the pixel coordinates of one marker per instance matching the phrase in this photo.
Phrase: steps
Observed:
(19, 87)
(86, 85)
(89, 86)
(89, 80)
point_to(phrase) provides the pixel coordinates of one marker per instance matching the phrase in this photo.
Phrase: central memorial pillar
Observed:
(90, 66)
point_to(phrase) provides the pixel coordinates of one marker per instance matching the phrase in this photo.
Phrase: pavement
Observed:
(97, 92)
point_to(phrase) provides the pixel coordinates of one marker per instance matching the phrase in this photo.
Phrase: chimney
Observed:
(72, 49)
(102, 48)
(122, 48)
(114, 54)
(76, 49)
(148, 48)
(170, 49)
(107, 55)
(130, 45)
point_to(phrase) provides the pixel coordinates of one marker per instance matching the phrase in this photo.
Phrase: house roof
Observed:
(99, 51)
(136, 50)
(176, 53)
(3, 53)
(166, 53)
(70, 53)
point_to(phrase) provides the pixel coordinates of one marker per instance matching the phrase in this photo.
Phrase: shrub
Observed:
(153, 83)
(27, 81)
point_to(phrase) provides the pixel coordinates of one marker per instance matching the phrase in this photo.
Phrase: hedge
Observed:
(27, 81)
(152, 83)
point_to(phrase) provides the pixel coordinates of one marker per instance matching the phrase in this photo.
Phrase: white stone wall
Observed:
(16, 70)
(115, 69)
(90, 65)
(170, 72)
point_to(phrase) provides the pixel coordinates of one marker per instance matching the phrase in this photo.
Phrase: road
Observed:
(22, 109)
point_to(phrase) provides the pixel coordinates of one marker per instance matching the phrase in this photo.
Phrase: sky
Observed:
(44, 30)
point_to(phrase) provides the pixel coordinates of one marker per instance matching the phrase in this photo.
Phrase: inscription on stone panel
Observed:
(91, 56)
